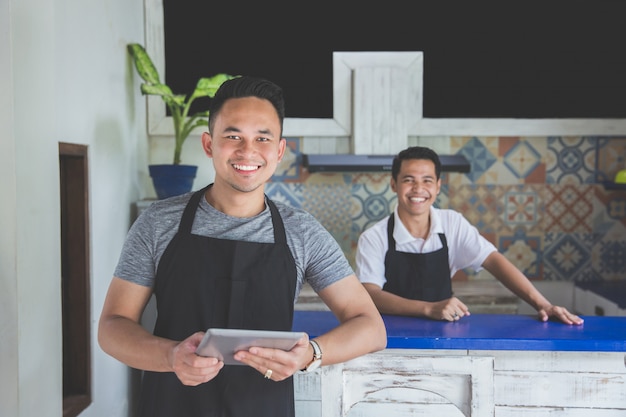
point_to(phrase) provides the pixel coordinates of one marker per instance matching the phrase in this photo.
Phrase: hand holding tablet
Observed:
(223, 343)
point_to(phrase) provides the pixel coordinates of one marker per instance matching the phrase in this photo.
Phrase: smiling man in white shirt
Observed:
(406, 260)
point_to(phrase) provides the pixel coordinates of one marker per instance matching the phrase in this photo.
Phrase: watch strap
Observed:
(317, 351)
(316, 361)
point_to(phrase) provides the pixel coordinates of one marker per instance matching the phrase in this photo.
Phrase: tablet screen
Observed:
(223, 343)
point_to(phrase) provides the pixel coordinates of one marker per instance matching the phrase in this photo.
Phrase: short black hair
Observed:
(415, 152)
(248, 86)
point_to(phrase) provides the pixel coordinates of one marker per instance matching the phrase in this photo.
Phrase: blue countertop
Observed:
(486, 332)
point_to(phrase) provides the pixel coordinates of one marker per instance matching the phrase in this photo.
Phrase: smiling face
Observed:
(417, 187)
(245, 144)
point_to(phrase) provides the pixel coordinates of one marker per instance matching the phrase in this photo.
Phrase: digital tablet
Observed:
(223, 343)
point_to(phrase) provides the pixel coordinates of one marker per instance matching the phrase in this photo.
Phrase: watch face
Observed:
(313, 366)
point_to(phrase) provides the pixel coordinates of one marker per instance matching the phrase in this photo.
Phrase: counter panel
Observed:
(487, 332)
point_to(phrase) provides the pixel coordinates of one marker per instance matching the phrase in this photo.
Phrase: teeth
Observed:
(417, 199)
(246, 167)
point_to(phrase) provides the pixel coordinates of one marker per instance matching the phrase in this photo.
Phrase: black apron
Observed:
(204, 282)
(418, 276)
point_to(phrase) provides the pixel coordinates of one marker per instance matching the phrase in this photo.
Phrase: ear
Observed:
(392, 183)
(282, 145)
(207, 144)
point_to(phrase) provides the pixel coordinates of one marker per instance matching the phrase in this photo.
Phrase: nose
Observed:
(245, 147)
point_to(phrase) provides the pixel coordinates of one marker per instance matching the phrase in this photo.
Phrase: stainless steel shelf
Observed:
(372, 163)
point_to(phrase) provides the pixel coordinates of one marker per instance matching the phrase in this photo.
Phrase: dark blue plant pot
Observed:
(170, 180)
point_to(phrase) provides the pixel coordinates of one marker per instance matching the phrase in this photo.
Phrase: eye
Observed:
(263, 139)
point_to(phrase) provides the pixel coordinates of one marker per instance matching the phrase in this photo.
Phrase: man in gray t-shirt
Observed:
(226, 256)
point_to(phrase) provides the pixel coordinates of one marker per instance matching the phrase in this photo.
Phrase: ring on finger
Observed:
(268, 374)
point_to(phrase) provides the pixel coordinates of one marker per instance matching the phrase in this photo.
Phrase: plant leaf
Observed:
(144, 65)
(204, 114)
(177, 104)
(200, 123)
(157, 90)
(207, 87)
(179, 99)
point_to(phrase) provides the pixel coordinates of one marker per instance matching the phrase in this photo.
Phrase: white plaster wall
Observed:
(30, 203)
(8, 217)
(65, 76)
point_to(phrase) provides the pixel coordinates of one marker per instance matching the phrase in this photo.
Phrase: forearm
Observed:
(388, 303)
(515, 280)
(357, 336)
(130, 343)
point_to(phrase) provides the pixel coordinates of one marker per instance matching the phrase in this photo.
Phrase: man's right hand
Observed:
(190, 368)
(451, 309)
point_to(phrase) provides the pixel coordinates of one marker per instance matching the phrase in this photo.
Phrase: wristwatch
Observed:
(317, 358)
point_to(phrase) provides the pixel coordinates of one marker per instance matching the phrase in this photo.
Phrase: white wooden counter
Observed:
(484, 365)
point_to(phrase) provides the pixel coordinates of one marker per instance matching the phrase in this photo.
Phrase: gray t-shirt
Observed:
(319, 259)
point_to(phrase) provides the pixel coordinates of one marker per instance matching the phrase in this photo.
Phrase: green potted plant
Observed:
(179, 106)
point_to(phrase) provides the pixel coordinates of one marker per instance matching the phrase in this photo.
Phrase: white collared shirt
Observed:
(467, 248)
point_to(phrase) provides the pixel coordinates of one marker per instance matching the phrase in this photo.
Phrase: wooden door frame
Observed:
(75, 277)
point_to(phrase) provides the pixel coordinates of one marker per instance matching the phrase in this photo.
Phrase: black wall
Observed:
(492, 59)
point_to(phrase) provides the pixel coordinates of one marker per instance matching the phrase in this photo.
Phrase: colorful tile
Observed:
(567, 257)
(609, 253)
(287, 193)
(522, 159)
(370, 203)
(330, 204)
(290, 167)
(521, 207)
(568, 208)
(524, 252)
(480, 204)
(571, 160)
(479, 157)
(611, 158)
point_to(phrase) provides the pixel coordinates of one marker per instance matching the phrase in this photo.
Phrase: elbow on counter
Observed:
(380, 336)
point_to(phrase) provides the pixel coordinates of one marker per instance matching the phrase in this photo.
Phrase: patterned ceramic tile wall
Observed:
(547, 203)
